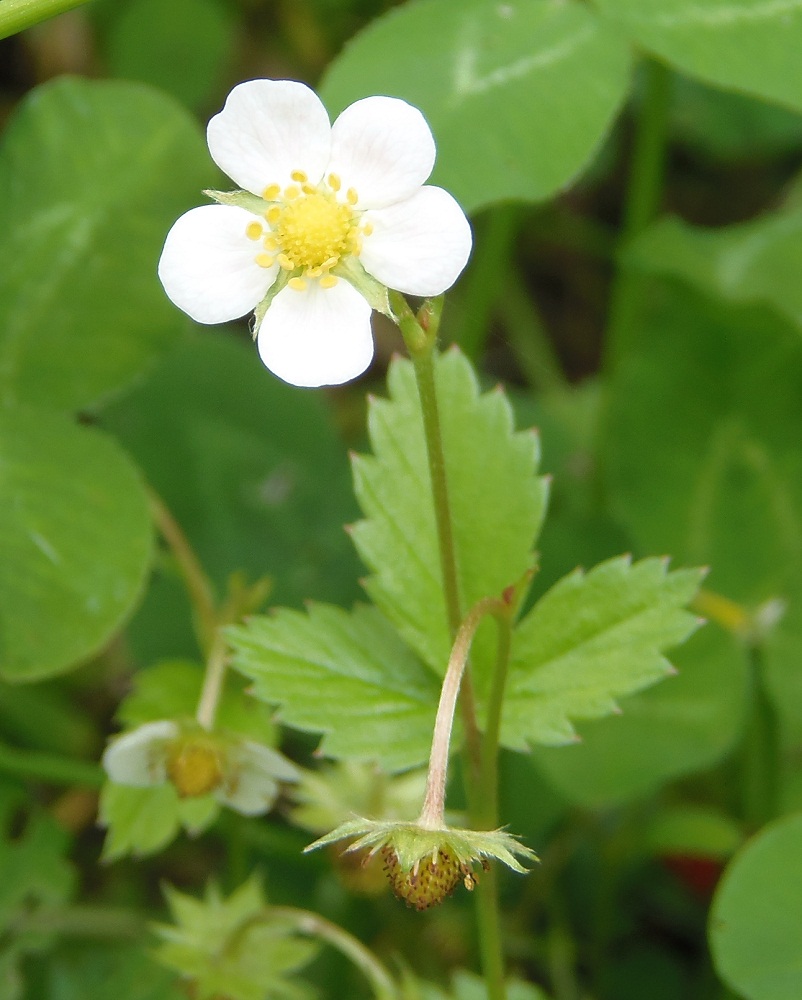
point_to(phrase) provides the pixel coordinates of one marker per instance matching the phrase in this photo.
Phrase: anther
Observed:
(272, 215)
(291, 192)
(334, 182)
(270, 243)
(254, 230)
(271, 192)
(367, 229)
(328, 281)
(265, 260)
(300, 176)
(351, 196)
(285, 262)
(297, 284)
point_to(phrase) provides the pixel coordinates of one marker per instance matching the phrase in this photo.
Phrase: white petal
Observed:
(267, 129)
(383, 148)
(419, 246)
(139, 757)
(252, 771)
(319, 336)
(208, 265)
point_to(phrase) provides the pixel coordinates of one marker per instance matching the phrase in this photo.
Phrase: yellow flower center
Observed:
(309, 229)
(195, 766)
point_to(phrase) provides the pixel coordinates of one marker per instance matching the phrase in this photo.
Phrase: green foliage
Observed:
(591, 639)
(125, 973)
(185, 57)
(519, 95)
(231, 946)
(497, 505)
(34, 878)
(88, 171)
(757, 912)
(744, 45)
(78, 564)
(346, 675)
(468, 986)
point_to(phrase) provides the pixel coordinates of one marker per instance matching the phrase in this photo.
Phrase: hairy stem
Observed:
(313, 925)
(433, 809)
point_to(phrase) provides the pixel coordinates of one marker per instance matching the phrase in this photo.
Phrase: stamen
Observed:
(272, 215)
(271, 192)
(265, 260)
(334, 182)
(270, 243)
(285, 262)
(351, 196)
(297, 284)
(291, 192)
(300, 176)
(254, 230)
(328, 281)
(367, 229)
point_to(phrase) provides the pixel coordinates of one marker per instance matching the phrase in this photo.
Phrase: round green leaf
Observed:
(756, 916)
(76, 541)
(519, 95)
(746, 45)
(93, 174)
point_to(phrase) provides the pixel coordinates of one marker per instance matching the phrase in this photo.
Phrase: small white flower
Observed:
(241, 774)
(329, 214)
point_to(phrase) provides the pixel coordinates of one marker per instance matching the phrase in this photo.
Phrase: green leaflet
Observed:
(91, 184)
(344, 674)
(590, 640)
(756, 915)
(76, 539)
(497, 505)
(519, 95)
(746, 45)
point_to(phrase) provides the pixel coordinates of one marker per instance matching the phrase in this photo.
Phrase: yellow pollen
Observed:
(272, 215)
(328, 281)
(291, 192)
(334, 182)
(297, 284)
(254, 230)
(269, 243)
(314, 231)
(265, 260)
(300, 176)
(352, 196)
(271, 192)
(367, 229)
(195, 767)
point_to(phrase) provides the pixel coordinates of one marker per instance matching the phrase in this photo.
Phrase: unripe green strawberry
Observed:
(428, 882)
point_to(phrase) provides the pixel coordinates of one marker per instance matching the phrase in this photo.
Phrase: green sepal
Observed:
(240, 199)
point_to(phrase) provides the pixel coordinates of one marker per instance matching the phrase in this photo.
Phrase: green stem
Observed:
(199, 587)
(313, 925)
(49, 767)
(17, 15)
(488, 784)
(761, 750)
(212, 682)
(642, 202)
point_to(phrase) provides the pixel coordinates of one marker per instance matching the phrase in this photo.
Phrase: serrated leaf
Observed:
(344, 674)
(76, 537)
(93, 175)
(171, 690)
(519, 95)
(223, 947)
(142, 821)
(756, 915)
(746, 45)
(688, 723)
(497, 505)
(593, 638)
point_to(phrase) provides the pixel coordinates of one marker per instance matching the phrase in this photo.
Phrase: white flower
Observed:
(329, 214)
(239, 773)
